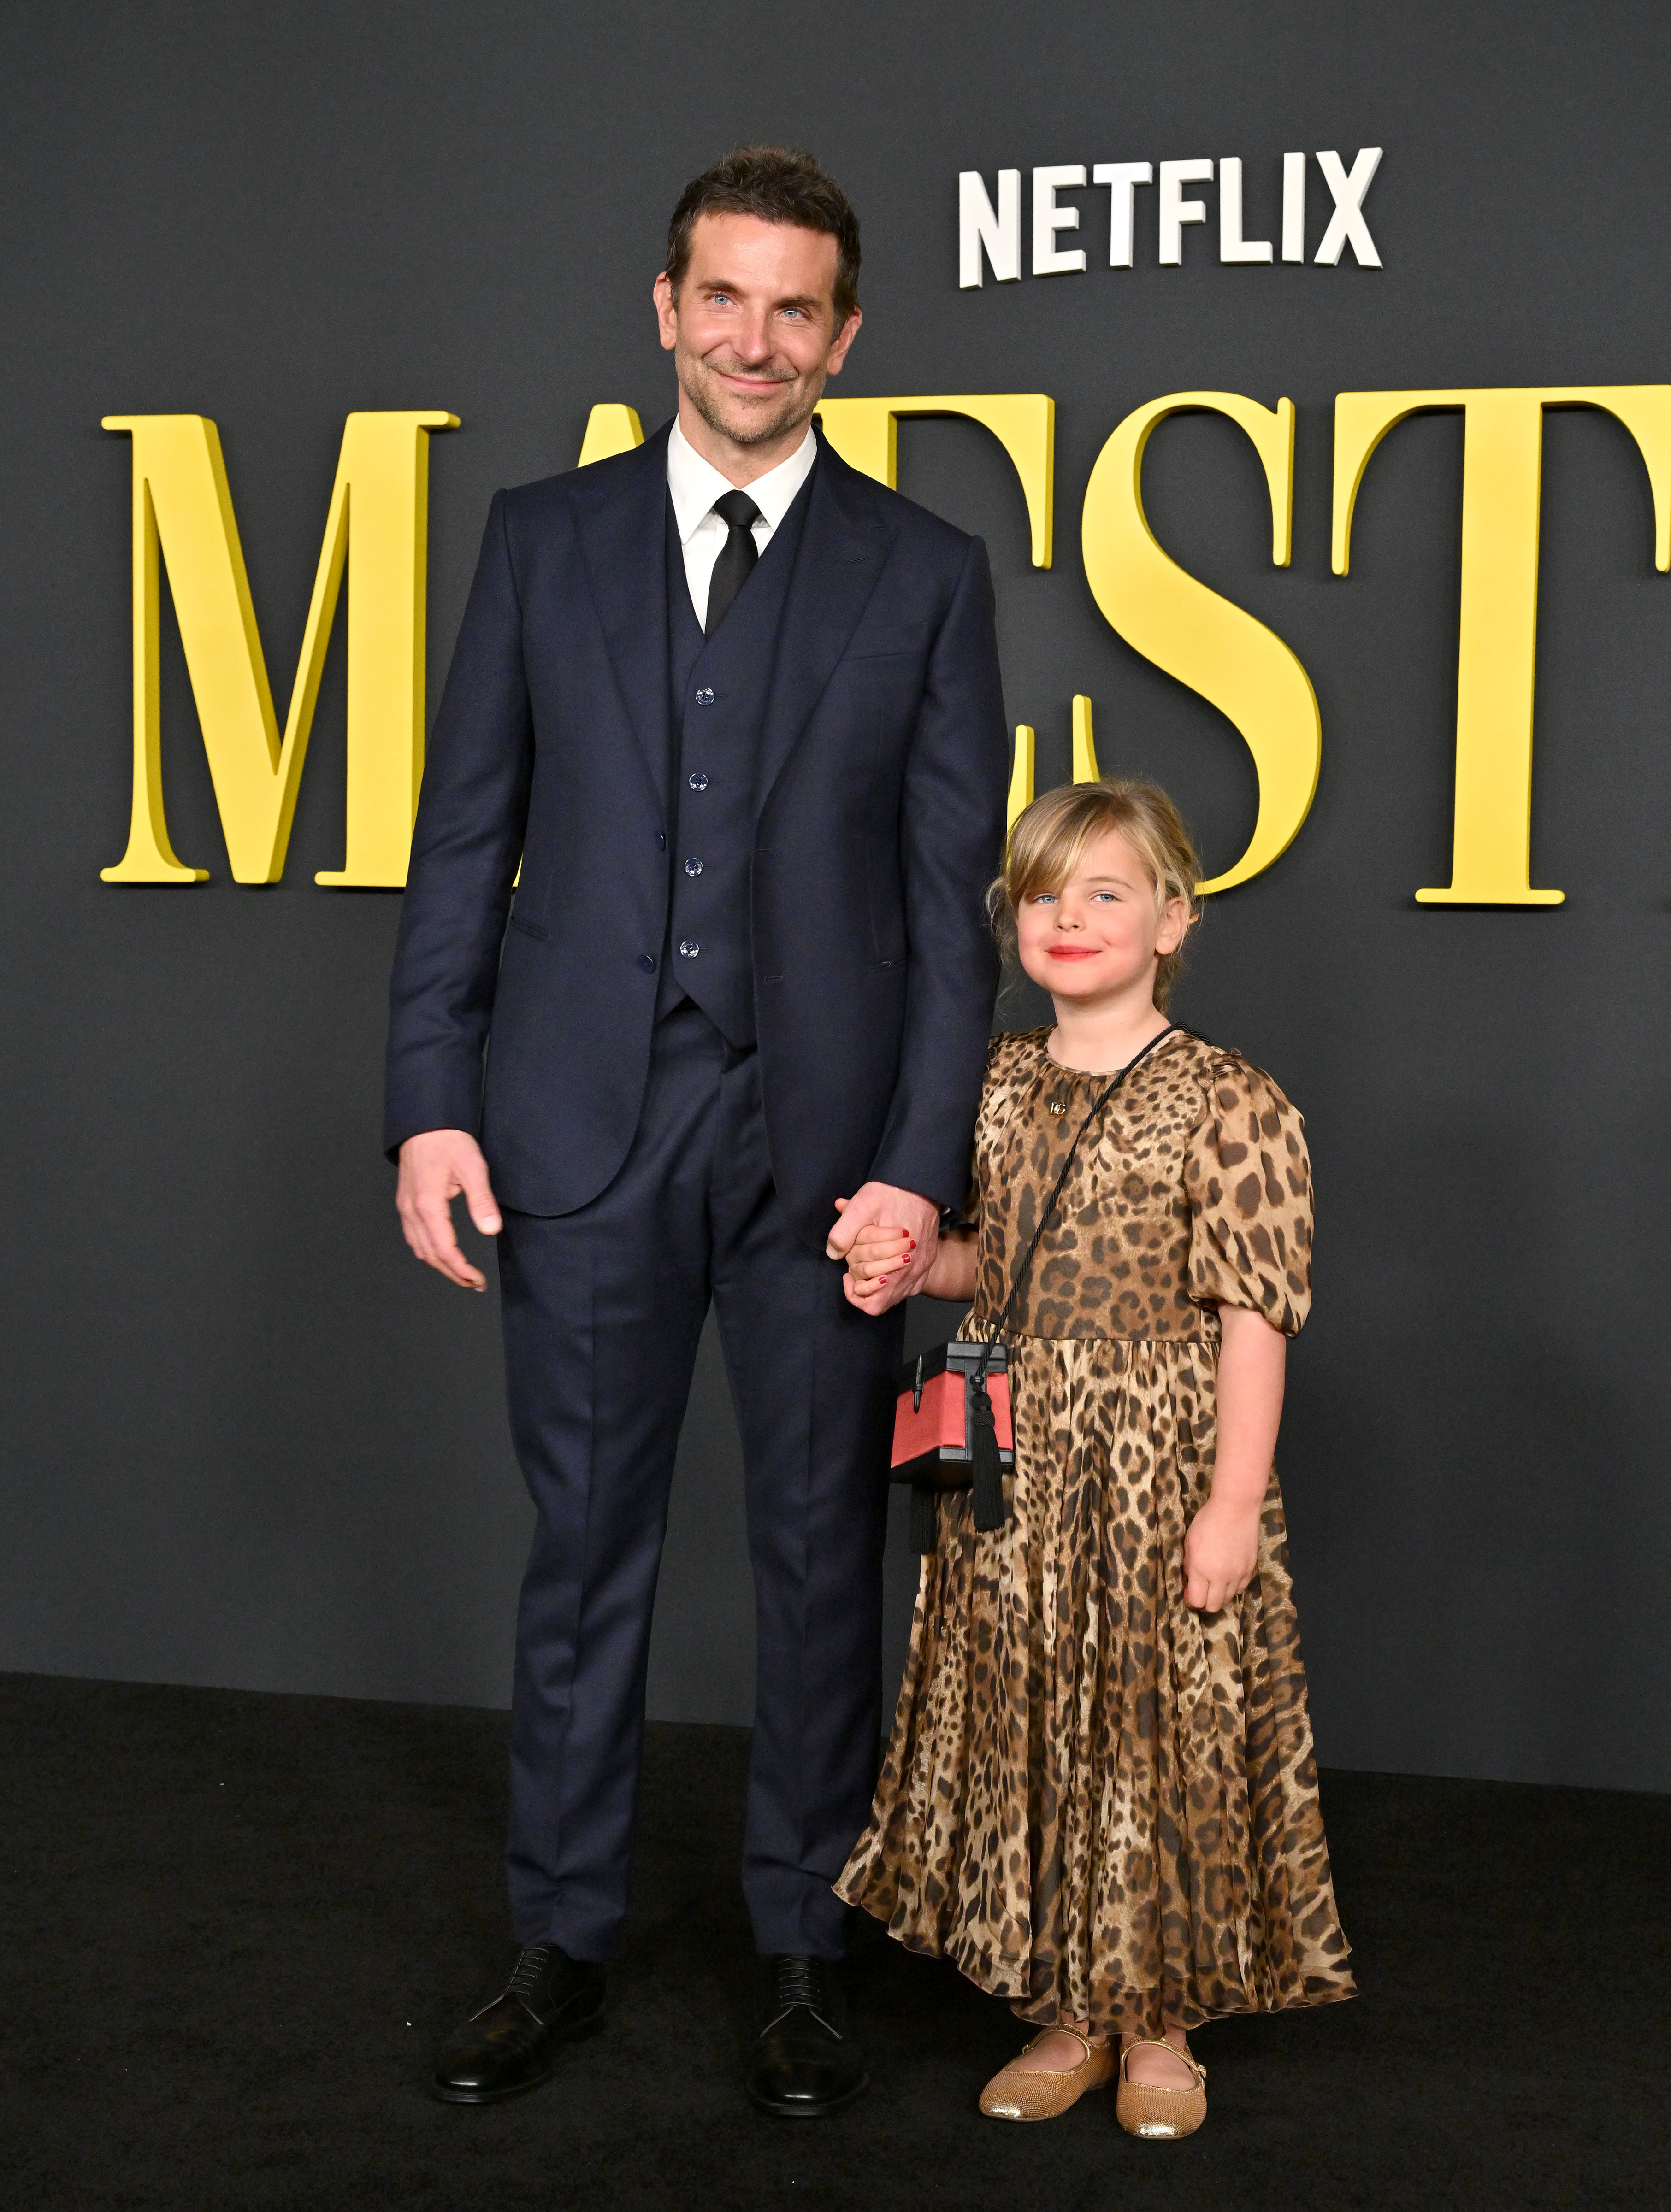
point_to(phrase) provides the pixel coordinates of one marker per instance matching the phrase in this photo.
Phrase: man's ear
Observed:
(845, 336)
(666, 311)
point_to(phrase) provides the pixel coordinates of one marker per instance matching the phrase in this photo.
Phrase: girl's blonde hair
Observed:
(1049, 839)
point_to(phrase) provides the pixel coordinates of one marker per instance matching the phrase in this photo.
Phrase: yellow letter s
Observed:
(1217, 648)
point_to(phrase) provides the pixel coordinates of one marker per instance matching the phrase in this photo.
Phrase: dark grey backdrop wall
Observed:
(245, 1441)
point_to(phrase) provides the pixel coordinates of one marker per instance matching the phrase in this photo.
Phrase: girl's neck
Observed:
(1098, 1039)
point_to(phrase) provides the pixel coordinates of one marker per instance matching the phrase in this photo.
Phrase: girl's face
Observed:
(1099, 936)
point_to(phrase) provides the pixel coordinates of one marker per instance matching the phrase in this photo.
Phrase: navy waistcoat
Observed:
(718, 688)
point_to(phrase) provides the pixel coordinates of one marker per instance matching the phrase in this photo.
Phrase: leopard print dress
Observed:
(1097, 1803)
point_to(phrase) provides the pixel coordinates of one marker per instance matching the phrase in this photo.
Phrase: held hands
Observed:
(1221, 1551)
(436, 1168)
(876, 1257)
(901, 1235)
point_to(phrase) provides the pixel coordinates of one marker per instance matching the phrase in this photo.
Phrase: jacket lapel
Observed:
(623, 545)
(844, 545)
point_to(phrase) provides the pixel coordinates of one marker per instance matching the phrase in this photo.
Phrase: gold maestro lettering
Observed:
(1501, 491)
(1216, 647)
(379, 521)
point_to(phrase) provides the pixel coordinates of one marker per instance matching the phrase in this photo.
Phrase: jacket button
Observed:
(662, 839)
(692, 867)
(704, 697)
(647, 962)
(698, 782)
(688, 948)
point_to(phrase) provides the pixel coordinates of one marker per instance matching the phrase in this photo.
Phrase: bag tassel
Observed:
(985, 1466)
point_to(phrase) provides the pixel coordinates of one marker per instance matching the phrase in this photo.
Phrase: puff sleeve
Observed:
(1248, 1179)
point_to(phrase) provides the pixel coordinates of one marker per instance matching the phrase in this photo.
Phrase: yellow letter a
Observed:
(380, 502)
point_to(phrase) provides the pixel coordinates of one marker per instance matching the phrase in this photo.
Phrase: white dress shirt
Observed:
(695, 485)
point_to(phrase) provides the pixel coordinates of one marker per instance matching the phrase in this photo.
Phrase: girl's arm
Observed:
(1221, 1547)
(878, 1254)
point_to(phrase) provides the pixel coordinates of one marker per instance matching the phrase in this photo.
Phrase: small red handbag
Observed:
(952, 1425)
(932, 1425)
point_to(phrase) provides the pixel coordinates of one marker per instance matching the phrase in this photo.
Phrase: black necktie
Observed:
(737, 557)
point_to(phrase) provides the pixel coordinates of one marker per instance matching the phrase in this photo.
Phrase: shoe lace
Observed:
(809, 1985)
(800, 1982)
(530, 1971)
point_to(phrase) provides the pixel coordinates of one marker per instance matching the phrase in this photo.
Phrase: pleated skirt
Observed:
(1096, 1802)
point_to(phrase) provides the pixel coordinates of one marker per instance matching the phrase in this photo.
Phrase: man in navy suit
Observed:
(735, 711)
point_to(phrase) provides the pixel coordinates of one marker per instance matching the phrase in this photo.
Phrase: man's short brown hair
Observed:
(776, 185)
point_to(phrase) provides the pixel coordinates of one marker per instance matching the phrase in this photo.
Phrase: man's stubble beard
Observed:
(702, 390)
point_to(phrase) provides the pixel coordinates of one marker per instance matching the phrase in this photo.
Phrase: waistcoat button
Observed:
(647, 962)
(662, 839)
(692, 867)
(704, 697)
(688, 948)
(698, 782)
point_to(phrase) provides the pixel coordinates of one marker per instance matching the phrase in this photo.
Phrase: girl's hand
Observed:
(1221, 1551)
(875, 1257)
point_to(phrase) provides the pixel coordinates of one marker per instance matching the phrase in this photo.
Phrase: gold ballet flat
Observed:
(1150, 2108)
(1022, 2093)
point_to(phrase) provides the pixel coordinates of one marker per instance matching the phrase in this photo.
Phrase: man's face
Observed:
(752, 333)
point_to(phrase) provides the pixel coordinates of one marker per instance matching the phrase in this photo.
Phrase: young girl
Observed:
(1100, 1797)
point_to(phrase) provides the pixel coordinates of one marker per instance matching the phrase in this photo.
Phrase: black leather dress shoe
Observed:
(507, 2046)
(805, 2062)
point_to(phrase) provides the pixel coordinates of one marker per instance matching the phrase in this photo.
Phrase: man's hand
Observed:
(436, 1168)
(878, 1204)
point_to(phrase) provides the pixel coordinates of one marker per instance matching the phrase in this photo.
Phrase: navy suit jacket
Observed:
(879, 823)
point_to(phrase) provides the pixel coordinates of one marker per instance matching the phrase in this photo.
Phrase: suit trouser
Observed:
(603, 1309)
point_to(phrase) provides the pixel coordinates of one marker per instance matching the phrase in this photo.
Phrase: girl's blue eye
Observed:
(1043, 898)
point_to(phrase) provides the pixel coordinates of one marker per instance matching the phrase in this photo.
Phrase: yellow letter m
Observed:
(379, 507)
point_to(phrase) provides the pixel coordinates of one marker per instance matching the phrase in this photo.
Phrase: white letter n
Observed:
(977, 226)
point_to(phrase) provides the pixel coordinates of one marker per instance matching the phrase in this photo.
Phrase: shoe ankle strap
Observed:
(1159, 2042)
(1084, 2041)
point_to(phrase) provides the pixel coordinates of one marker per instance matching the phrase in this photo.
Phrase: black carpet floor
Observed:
(233, 1928)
